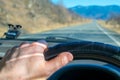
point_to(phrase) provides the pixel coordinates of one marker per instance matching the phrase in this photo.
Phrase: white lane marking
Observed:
(117, 42)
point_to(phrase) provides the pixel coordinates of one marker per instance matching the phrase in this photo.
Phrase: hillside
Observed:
(34, 15)
(96, 12)
(113, 23)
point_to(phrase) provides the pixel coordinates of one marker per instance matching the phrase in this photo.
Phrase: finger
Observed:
(33, 48)
(10, 53)
(42, 41)
(25, 57)
(42, 45)
(26, 49)
(7, 52)
(59, 61)
(24, 44)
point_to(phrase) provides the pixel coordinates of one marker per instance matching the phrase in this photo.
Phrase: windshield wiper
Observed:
(48, 39)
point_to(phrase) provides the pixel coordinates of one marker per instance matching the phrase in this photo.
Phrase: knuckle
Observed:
(23, 45)
(44, 46)
(35, 43)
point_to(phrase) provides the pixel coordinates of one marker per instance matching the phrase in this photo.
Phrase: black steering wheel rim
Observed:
(87, 50)
(85, 72)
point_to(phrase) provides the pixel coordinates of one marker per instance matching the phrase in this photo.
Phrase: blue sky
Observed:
(71, 3)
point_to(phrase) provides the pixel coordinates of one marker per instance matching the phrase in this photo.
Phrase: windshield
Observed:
(89, 20)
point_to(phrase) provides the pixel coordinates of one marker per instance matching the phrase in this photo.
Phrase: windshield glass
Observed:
(89, 20)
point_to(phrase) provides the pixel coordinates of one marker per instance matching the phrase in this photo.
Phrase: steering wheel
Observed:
(85, 50)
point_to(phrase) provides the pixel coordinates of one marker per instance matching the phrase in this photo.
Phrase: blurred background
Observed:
(42, 15)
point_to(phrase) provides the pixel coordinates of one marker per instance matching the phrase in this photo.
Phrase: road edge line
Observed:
(117, 42)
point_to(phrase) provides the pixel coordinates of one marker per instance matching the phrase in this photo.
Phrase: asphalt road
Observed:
(90, 32)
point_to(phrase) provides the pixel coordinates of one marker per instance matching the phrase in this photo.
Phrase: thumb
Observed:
(58, 62)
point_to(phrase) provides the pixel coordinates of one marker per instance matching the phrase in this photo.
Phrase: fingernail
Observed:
(42, 41)
(70, 56)
(65, 60)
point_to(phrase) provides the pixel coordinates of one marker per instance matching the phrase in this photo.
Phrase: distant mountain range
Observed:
(96, 12)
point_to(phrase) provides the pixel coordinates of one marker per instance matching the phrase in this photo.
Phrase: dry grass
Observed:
(42, 16)
(113, 27)
(2, 30)
(40, 28)
(54, 26)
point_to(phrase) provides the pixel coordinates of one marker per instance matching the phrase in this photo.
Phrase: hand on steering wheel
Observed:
(27, 62)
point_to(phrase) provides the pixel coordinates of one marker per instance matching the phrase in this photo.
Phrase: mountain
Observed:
(96, 12)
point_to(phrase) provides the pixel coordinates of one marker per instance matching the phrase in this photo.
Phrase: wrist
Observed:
(4, 76)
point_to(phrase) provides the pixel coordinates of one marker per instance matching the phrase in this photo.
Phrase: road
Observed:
(90, 32)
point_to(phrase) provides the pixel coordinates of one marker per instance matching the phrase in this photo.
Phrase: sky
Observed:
(71, 3)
